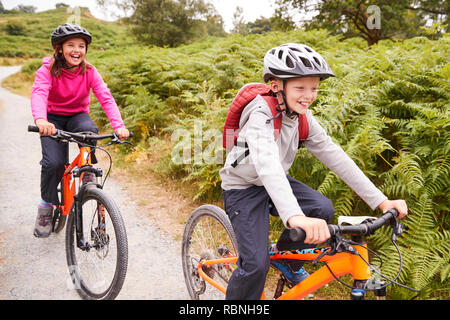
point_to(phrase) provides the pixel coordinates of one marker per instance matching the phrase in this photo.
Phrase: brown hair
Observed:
(58, 61)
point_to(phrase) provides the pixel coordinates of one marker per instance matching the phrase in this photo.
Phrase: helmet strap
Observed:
(59, 57)
(288, 111)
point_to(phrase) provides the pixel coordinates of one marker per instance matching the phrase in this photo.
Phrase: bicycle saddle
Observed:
(346, 220)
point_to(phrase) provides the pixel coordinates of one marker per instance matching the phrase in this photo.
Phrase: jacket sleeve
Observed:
(330, 154)
(39, 94)
(103, 95)
(264, 154)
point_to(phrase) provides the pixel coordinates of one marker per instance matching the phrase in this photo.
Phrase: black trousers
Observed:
(55, 155)
(249, 210)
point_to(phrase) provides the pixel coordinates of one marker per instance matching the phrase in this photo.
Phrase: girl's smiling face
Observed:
(74, 51)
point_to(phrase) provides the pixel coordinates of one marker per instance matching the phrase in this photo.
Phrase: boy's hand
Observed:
(316, 229)
(123, 133)
(45, 127)
(400, 205)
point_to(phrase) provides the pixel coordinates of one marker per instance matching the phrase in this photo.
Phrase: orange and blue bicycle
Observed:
(210, 253)
(96, 238)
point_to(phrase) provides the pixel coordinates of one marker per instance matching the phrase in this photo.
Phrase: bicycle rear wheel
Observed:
(99, 271)
(208, 234)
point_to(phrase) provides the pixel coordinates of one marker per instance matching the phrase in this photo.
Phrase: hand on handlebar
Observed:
(399, 205)
(45, 127)
(316, 229)
(122, 133)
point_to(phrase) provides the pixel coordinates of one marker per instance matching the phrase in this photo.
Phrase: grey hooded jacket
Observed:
(269, 160)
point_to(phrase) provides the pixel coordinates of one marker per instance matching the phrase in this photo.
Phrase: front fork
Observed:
(361, 286)
(78, 207)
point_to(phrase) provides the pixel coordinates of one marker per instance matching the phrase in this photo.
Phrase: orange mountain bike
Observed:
(96, 239)
(210, 253)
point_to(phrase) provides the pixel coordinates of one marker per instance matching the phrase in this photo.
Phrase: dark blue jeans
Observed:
(248, 210)
(55, 155)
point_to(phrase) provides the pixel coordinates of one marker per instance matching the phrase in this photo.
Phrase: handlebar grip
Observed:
(33, 129)
(297, 234)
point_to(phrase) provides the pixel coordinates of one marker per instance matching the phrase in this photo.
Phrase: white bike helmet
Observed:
(293, 60)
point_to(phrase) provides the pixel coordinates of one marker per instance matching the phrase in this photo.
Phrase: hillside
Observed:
(27, 35)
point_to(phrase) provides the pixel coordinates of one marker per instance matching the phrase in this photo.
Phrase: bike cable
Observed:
(391, 281)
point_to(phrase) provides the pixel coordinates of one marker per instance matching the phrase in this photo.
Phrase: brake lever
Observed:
(397, 229)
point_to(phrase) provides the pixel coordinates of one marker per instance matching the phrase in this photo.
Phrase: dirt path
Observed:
(32, 268)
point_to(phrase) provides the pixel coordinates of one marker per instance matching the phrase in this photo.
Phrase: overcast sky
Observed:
(252, 9)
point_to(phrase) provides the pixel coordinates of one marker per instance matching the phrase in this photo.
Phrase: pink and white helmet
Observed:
(294, 60)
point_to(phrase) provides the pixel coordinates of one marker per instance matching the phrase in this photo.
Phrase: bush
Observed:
(15, 28)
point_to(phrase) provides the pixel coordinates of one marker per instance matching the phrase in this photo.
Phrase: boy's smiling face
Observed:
(74, 51)
(300, 92)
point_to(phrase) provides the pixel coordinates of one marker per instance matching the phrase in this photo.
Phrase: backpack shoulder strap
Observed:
(303, 127)
(243, 97)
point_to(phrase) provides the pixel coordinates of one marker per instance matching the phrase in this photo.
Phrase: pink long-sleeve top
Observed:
(69, 94)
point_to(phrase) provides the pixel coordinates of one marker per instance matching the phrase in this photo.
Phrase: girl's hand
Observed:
(123, 133)
(45, 127)
(399, 205)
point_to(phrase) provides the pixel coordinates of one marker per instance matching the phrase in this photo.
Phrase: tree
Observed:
(170, 22)
(26, 9)
(2, 9)
(260, 25)
(239, 25)
(384, 20)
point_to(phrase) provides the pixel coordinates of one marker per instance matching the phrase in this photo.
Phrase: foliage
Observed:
(169, 22)
(388, 108)
(15, 28)
(398, 19)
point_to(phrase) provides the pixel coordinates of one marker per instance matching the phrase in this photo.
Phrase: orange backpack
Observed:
(244, 97)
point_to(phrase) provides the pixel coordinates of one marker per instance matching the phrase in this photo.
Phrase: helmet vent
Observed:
(306, 62)
(289, 62)
(280, 54)
(317, 61)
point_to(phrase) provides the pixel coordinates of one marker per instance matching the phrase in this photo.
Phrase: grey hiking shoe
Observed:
(43, 225)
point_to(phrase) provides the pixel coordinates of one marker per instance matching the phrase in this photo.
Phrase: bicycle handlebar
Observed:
(77, 136)
(366, 228)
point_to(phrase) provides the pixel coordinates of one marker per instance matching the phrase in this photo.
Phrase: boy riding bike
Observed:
(60, 100)
(255, 180)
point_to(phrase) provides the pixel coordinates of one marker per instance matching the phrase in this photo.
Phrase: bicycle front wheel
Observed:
(98, 269)
(208, 235)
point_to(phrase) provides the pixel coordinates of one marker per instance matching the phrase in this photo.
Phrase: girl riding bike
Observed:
(60, 100)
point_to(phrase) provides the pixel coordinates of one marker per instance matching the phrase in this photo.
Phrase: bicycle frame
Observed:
(340, 264)
(83, 159)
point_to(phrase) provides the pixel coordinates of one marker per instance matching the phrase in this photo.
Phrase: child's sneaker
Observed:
(295, 277)
(43, 225)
